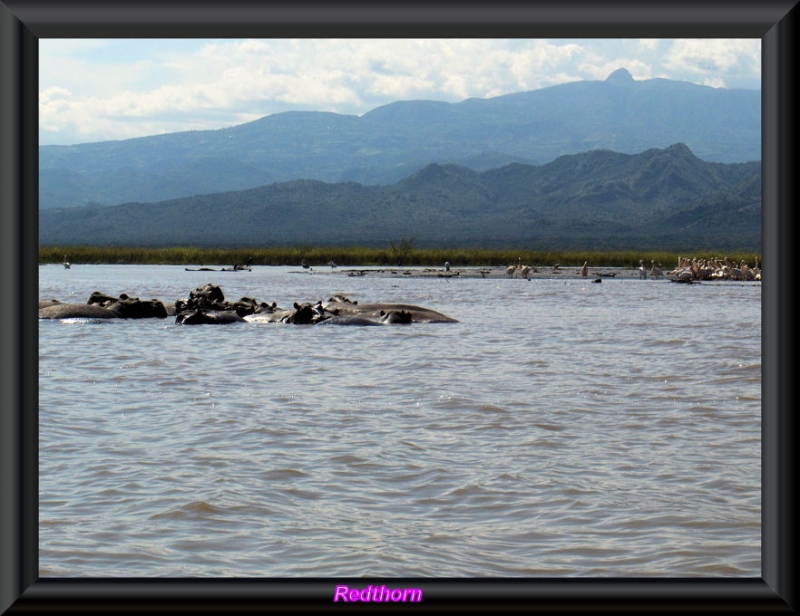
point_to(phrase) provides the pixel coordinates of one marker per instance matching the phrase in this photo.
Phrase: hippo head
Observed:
(303, 315)
(396, 317)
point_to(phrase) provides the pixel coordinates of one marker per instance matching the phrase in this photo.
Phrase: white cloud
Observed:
(648, 45)
(95, 90)
(713, 57)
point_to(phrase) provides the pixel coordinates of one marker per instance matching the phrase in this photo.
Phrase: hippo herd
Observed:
(207, 305)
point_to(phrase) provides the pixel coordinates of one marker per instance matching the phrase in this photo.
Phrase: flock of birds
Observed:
(688, 270)
(524, 270)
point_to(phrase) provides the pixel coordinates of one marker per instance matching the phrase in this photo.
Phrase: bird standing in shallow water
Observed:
(585, 269)
(66, 263)
(655, 271)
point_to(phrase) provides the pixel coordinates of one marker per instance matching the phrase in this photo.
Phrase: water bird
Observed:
(66, 263)
(585, 269)
(656, 271)
(642, 270)
(246, 266)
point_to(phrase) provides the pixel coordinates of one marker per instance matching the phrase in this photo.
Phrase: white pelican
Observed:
(642, 270)
(656, 271)
(526, 272)
(66, 263)
(585, 269)
(510, 271)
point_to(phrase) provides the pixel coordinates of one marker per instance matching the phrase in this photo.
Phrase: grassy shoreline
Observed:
(358, 256)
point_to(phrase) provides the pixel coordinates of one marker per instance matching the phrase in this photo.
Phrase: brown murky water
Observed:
(560, 428)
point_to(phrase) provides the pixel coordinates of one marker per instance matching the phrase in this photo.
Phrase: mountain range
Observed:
(391, 143)
(657, 199)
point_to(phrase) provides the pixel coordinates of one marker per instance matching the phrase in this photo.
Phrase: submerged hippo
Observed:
(76, 311)
(102, 306)
(394, 313)
(400, 317)
(210, 299)
(208, 317)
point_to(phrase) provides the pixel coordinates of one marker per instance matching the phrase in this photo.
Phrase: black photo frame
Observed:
(24, 22)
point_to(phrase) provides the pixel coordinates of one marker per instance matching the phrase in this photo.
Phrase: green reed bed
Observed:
(391, 256)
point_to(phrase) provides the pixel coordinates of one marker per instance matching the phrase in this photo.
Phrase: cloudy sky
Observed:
(98, 90)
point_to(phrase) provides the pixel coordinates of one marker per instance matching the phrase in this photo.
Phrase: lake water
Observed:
(561, 428)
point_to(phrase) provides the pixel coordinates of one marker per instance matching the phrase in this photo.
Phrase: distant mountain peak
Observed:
(621, 76)
(680, 150)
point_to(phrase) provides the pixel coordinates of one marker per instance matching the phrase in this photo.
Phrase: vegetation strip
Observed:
(399, 253)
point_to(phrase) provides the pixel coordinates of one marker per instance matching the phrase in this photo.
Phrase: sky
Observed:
(110, 89)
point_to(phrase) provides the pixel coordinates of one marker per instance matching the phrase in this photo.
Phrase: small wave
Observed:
(491, 408)
(279, 474)
(549, 426)
(672, 342)
(192, 511)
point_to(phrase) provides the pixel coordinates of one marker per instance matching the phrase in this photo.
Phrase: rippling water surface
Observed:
(561, 428)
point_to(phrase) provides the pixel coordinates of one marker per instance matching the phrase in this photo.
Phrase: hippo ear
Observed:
(296, 306)
(382, 313)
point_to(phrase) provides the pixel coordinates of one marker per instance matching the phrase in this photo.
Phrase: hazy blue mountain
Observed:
(599, 200)
(394, 141)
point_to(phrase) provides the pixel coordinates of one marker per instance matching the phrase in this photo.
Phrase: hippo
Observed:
(338, 297)
(209, 292)
(264, 307)
(400, 317)
(339, 320)
(210, 300)
(134, 308)
(101, 299)
(76, 311)
(207, 304)
(378, 312)
(208, 317)
(306, 314)
(102, 306)
(392, 317)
